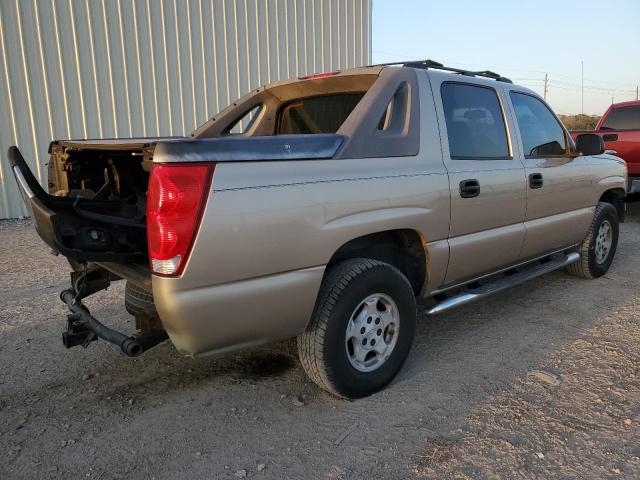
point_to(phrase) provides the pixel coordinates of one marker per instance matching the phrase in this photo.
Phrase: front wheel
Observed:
(361, 329)
(599, 247)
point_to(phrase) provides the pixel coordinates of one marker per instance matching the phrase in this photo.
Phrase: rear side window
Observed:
(542, 135)
(322, 114)
(394, 116)
(244, 123)
(626, 118)
(475, 124)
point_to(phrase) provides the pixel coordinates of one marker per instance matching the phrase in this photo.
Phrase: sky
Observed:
(522, 40)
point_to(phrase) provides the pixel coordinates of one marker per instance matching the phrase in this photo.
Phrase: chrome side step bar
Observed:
(502, 282)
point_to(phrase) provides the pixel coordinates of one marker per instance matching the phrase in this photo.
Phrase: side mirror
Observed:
(589, 144)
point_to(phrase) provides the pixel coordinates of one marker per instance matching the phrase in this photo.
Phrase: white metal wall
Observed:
(127, 68)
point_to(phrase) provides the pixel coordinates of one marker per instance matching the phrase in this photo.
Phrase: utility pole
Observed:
(582, 68)
(545, 87)
(636, 92)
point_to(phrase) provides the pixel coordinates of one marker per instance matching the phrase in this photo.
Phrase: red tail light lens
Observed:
(175, 202)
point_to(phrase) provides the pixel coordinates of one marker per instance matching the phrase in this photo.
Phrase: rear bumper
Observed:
(83, 328)
(221, 318)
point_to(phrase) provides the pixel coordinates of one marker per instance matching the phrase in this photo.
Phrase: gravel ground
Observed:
(542, 381)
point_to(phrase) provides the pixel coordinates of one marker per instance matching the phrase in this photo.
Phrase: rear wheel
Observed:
(361, 330)
(599, 247)
(138, 301)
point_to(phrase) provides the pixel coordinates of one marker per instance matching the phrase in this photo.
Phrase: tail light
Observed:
(175, 203)
(319, 75)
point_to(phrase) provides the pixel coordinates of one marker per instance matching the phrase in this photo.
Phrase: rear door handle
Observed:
(610, 137)
(469, 188)
(536, 180)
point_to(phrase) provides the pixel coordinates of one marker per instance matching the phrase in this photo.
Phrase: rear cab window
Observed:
(376, 112)
(541, 132)
(622, 118)
(475, 122)
(321, 114)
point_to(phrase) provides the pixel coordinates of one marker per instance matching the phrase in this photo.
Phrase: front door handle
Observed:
(469, 188)
(610, 137)
(536, 180)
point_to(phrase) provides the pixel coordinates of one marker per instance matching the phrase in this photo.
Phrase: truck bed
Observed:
(96, 205)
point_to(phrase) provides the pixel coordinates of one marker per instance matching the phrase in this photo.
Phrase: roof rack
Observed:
(426, 64)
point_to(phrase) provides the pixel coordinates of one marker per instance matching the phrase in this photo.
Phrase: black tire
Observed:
(322, 347)
(588, 265)
(137, 300)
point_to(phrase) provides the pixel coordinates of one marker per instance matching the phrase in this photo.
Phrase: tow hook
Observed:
(83, 328)
(78, 332)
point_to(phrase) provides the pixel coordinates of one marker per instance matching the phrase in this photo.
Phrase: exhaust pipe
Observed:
(84, 327)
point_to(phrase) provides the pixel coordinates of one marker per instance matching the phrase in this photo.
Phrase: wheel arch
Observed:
(405, 249)
(615, 196)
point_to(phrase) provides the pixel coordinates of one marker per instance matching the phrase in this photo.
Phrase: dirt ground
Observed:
(542, 381)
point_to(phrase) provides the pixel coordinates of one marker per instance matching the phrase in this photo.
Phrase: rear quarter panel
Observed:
(270, 228)
(259, 257)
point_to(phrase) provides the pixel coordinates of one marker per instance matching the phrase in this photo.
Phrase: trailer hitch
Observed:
(78, 332)
(83, 328)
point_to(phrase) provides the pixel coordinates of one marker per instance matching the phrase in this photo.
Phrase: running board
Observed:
(504, 281)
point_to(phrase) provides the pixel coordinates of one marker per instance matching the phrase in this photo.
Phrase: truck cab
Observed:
(619, 128)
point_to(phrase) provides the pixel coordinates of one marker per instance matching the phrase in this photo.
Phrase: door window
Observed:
(475, 123)
(542, 135)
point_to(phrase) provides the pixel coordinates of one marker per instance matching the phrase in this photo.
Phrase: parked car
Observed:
(321, 207)
(619, 127)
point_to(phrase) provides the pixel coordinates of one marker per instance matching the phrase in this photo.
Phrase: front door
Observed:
(487, 183)
(559, 187)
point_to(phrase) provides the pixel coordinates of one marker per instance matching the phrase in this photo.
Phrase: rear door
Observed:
(559, 186)
(487, 184)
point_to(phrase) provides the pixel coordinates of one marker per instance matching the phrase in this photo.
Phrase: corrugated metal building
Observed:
(127, 68)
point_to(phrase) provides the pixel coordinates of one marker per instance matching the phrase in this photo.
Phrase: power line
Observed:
(544, 85)
(567, 85)
(592, 87)
(587, 90)
(555, 74)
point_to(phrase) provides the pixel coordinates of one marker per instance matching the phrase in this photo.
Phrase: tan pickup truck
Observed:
(322, 207)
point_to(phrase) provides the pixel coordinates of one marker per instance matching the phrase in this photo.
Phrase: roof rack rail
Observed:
(426, 64)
